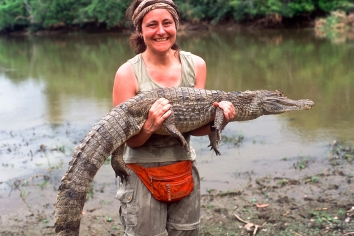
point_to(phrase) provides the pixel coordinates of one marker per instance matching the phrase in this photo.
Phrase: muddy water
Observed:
(52, 91)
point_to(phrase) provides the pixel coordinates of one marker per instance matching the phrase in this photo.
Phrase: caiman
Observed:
(191, 108)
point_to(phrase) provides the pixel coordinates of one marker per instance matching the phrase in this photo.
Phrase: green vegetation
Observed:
(322, 217)
(234, 139)
(339, 152)
(53, 14)
(312, 179)
(301, 164)
(283, 182)
(337, 26)
(39, 14)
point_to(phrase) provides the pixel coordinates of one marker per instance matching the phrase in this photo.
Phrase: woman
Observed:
(159, 63)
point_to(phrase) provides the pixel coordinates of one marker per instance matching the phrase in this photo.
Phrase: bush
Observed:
(13, 13)
(37, 14)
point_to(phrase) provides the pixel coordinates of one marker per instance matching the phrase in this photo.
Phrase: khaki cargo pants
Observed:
(142, 215)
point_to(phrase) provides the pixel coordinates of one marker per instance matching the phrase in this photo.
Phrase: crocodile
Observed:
(191, 108)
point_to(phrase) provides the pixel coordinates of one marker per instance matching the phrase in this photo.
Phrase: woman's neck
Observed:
(164, 69)
(162, 59)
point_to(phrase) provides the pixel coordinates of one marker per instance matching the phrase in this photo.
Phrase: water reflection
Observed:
(75, 72)
(293, 61)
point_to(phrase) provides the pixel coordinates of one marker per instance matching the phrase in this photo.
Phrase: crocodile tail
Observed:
(106, 136)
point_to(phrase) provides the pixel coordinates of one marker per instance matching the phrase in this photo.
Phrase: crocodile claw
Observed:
(122, 174)
(214, 138)
(118, 164)
(216, 150)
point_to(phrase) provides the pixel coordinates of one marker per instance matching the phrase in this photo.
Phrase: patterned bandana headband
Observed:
(141, 10)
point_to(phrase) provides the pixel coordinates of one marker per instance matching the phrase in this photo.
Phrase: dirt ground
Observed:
(320, 204)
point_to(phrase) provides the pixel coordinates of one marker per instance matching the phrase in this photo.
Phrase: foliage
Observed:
(328, 6)
(301, 6)
(13, 13)
(109, 12)
(212, 10)
(335, 27)
(53, 13)
(251, 8)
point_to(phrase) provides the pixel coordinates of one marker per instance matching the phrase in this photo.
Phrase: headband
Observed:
(141, 11)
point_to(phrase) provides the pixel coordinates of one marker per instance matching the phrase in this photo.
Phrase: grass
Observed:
(283, 182)
(236, 140)
(301, 164)
(312, 179)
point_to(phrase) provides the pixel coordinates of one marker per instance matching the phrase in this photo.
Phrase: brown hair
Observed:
(136, 41)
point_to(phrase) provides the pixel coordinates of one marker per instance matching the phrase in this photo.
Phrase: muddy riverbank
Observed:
(316, 198)
(53, 89)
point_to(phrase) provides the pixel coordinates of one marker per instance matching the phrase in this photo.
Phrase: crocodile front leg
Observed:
(118, 163)
(214, 143)
(171, 128)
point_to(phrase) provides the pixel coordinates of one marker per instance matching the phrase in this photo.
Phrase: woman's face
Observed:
(158, 30)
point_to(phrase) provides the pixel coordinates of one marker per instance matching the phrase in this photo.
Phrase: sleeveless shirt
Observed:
(160, 148)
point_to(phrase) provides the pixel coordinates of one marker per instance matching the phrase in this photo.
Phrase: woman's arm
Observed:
(200, 80)
(125, 87)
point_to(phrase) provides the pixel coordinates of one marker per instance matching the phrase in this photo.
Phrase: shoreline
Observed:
(317, 199)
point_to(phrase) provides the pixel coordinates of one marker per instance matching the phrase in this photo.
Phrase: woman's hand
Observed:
(158, 113)
(229, 114)
(229, 110)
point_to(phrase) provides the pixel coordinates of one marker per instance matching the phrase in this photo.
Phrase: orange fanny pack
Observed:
(166, 183)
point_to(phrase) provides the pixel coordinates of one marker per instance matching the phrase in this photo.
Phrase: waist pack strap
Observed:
(142, 174)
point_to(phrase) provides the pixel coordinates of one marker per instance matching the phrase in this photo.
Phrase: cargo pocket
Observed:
(128, 209)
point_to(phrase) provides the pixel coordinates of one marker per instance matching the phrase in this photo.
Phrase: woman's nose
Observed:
(160, 29)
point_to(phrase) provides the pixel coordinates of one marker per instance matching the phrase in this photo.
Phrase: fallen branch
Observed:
(261, 206)
(250, 225)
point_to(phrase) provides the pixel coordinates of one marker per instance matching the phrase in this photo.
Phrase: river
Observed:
(54, 88)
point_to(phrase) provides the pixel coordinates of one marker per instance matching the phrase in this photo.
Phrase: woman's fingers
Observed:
(229, 110)
(160, 108)
(158, 113)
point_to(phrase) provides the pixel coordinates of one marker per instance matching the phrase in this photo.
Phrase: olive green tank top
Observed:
(160, 148)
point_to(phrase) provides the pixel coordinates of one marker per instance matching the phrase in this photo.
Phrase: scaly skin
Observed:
(192, 108)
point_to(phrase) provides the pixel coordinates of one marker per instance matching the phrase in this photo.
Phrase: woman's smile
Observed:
(161, 39)
(159, 30)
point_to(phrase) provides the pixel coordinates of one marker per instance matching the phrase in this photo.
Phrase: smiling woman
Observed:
(158, 30)
(159, 63)
(137, 11)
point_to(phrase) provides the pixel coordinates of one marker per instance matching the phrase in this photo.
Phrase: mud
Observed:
(317, 202)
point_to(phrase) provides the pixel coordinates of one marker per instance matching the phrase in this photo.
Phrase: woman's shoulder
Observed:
(191, 55)
(196, 59)
(185, 53)
(125, 85)
(135, 59)
(126, 68)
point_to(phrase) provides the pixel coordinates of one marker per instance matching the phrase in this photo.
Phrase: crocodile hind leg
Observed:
(118, 164)
(171, 128)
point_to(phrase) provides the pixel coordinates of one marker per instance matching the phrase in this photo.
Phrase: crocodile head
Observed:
(252, 104)
(276, 102)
